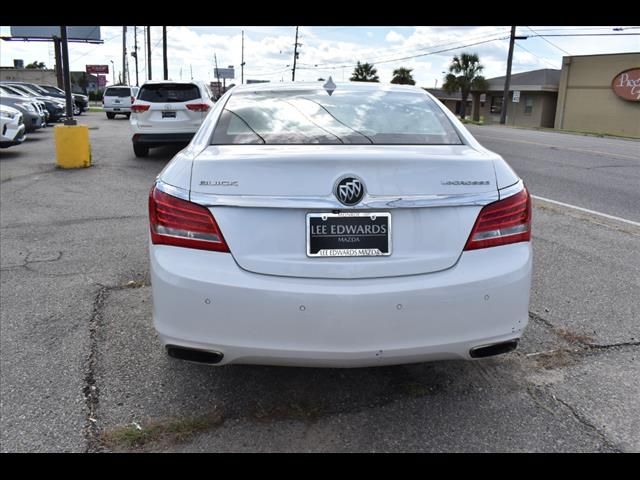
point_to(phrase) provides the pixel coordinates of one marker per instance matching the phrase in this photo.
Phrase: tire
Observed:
(140, 150)
(111, 116)
(128, 115)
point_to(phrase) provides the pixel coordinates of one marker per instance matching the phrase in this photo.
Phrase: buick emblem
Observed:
(349, 190)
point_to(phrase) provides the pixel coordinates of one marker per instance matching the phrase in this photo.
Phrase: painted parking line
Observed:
(592, 212)
(559, 147)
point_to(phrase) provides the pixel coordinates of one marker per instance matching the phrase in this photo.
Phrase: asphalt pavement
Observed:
(601, 174)
(81, 368)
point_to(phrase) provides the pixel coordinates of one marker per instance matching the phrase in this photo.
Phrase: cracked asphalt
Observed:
(81, 369)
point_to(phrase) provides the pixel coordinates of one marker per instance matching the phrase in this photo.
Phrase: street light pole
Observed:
(295, 57)
(113, 70)
(66, 76)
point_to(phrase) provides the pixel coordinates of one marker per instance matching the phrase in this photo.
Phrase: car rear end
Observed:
(168, 113)
(257, 256)
(117, 101)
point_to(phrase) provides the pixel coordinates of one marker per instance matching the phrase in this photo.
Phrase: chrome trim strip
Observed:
(330, 202)
(171, 190)
(511, 189)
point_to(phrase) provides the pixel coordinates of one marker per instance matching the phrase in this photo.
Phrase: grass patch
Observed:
(555, 359)
(96, 109)
(135, 436)
(573, 337)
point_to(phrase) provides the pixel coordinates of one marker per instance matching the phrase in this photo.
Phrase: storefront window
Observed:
(528, 105)
(496, 104)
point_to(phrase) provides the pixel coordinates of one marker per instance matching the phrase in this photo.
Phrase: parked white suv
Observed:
(168, 112)
(118, 100)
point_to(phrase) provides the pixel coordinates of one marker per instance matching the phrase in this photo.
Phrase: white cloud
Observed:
(393, 37)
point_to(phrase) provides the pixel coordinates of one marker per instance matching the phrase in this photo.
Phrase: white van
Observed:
(118, 100)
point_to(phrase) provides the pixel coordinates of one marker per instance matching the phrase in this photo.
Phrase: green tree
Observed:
(464, 76)
(403, 76)
(364, 72)
(37, 65)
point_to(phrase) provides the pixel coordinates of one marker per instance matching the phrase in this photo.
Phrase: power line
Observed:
(376, 59)
(411, 56)
(552, 44)
(537, 56)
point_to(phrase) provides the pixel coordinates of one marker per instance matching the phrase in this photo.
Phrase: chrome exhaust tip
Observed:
(494, 349)
(194, 355)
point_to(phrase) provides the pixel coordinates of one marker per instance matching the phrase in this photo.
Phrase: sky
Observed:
(330, 51)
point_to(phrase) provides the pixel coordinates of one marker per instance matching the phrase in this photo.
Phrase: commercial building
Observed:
(81, 82)
(600, 94)
(531, 102)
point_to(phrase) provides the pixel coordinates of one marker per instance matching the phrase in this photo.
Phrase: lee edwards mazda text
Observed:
(337, 225)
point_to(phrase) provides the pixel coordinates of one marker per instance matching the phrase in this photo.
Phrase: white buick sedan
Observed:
(337, 225)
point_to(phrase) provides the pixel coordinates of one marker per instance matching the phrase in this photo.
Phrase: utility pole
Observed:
(57, 46)
(242, 63)
(149, 51)
(124, 55)
(164, 52)
(191, 68)
(295, 57)
(507, 80)
(144, 49)
(135, 52)
(215, 60)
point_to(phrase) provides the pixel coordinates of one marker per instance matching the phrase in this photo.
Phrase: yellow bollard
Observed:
(72, 146)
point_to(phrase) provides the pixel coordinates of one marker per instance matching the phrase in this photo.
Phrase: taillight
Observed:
(502, 222)
(139, 108)
(174, 221)
(198, 107)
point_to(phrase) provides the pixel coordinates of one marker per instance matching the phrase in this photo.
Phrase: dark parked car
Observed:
(81, 101)
(32, 119)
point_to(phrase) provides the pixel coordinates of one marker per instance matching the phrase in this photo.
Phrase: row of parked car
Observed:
(32, 106)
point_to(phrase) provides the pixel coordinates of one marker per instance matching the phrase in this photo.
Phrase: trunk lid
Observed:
(272, 239)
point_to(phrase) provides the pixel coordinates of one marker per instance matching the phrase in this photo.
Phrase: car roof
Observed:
(185, 82)
(349, 86)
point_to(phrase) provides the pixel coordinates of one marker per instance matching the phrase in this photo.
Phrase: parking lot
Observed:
(82, 369)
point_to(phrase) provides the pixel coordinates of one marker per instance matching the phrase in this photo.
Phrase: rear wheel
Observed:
(111, 116)
(140, 150)
(128, 115)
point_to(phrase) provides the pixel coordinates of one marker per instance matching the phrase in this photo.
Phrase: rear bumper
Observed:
(115, 109)
(158, 139)
(203, 300)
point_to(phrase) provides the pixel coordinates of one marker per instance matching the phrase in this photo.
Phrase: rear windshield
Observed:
(118, 92)
(347, 116)
(169, 92)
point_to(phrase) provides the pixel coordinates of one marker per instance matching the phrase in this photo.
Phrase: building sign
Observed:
(224, 72)
(97, 68)
(626, 84)
(516, 96)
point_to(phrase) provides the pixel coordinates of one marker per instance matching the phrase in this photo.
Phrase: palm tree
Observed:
(364, 72)
(468, 79)
(37, 65)
(403, 76)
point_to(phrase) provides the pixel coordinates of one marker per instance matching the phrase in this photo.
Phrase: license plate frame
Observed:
(375, 218)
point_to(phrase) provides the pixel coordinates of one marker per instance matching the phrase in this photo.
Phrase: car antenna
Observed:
(329, 86)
